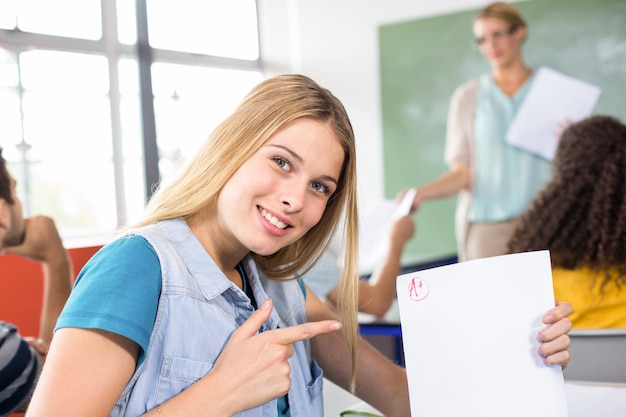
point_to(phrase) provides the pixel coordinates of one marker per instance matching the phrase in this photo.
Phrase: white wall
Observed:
(335, 42)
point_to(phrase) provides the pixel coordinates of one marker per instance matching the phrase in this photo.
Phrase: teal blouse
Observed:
(506, 178)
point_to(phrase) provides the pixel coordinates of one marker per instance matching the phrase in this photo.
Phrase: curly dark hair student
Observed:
(580, 216)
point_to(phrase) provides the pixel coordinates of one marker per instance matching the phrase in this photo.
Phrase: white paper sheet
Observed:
(373, 233)
(553, 98)
(470, 339)
(404, 206)
(374, 228)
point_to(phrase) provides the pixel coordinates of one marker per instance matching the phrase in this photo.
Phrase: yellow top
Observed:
(592, 309)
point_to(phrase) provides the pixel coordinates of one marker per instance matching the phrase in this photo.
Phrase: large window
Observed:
(100, 100)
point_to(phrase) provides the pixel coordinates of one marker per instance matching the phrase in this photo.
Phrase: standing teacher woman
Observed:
(495, 180)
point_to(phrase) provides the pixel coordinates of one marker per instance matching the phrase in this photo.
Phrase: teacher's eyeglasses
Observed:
(495, 37)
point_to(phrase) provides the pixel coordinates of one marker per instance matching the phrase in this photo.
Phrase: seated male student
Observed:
(377, 293)
(37, 239)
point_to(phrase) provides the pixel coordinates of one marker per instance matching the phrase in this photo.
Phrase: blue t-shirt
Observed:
(121, 281)
(117, 291)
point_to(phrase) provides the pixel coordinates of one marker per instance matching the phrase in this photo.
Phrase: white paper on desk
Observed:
(470, 339)
(553, 98)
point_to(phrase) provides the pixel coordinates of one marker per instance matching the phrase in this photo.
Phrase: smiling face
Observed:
(281, 192)
(499, 41)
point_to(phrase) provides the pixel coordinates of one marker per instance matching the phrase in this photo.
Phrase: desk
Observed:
(387, 326)
(584, 399)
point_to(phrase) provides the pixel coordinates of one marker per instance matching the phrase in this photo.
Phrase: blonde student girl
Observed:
(198, 309)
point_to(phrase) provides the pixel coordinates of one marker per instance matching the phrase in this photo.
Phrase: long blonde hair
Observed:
(270, 106)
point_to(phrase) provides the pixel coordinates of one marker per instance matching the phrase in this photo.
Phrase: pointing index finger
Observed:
(306, 331)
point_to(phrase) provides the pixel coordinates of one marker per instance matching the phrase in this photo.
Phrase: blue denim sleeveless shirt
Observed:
(198, 310)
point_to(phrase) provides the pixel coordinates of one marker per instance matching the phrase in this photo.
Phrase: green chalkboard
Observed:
(422, 62)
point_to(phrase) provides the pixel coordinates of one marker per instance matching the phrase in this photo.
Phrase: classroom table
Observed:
(387, 326)
(584, 399)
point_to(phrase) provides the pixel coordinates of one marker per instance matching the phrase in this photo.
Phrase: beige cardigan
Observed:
(460, 149)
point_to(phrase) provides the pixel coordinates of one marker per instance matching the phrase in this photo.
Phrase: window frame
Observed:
(145, 55)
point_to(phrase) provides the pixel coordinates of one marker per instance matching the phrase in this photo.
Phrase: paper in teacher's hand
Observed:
(470, 339)
(553, 99)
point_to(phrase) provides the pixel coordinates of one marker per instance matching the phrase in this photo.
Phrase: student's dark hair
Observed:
(5, 181)
(580, 216)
